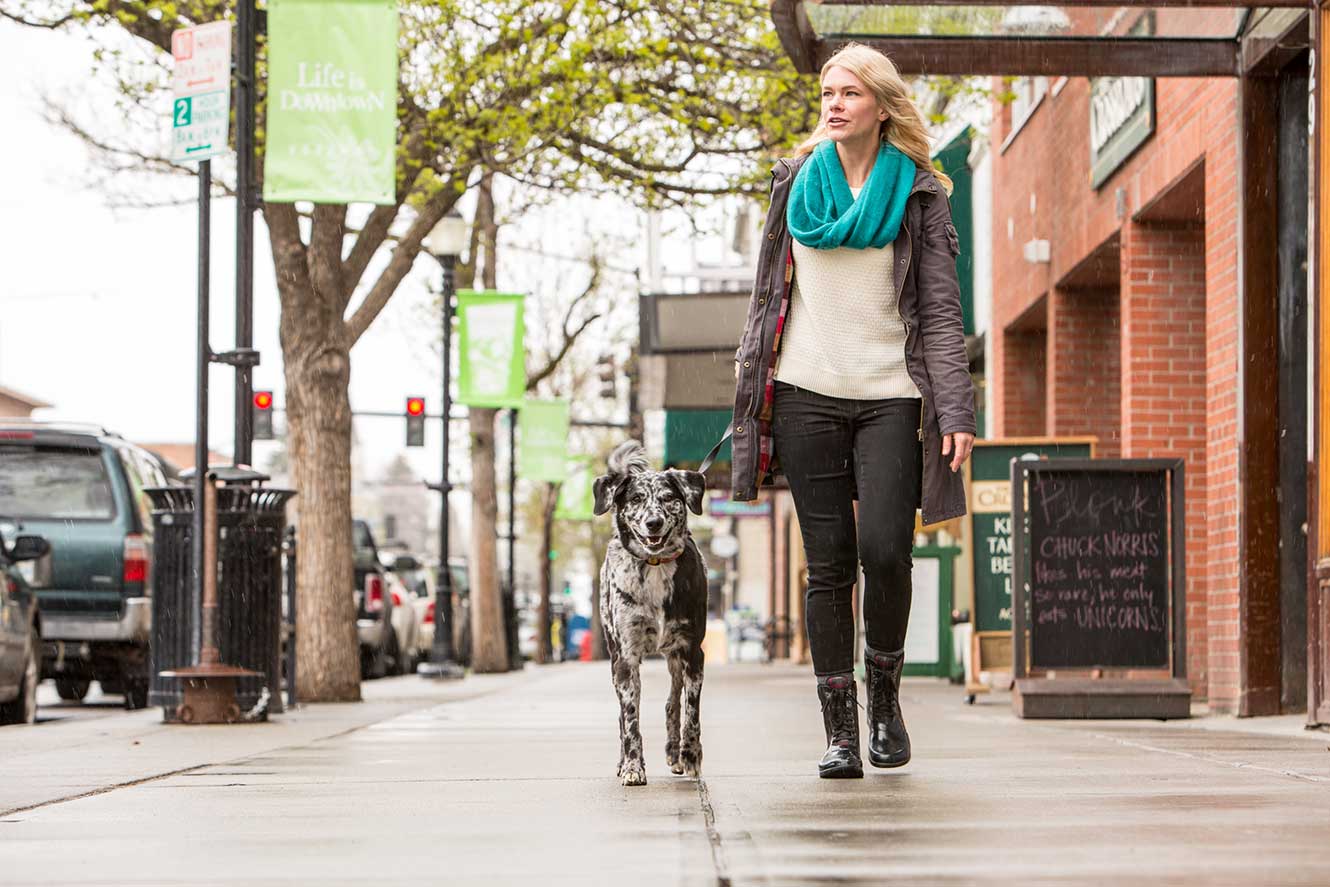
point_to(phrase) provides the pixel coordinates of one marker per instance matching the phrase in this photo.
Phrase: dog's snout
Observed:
(655, 523)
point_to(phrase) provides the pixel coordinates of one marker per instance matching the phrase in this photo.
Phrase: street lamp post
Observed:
(445, 242)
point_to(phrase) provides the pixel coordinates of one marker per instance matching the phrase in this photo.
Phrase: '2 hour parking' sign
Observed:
(201, 82)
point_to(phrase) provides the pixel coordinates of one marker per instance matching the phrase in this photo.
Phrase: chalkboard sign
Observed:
(1098, 562)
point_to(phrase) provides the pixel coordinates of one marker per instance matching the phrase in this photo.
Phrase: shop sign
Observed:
(1122, 116)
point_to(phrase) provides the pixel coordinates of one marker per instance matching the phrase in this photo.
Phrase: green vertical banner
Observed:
(577, 497)
(542, 445)
(491, 367)
(332, 101)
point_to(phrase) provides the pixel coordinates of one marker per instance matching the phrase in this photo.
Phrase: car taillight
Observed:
(373, 593)
(397, 598)
(429, 614)
(136, 558)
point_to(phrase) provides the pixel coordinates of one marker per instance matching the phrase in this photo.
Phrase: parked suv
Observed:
(81, 488)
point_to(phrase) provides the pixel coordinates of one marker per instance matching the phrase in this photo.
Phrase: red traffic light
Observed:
(415, 406)
(263, 400)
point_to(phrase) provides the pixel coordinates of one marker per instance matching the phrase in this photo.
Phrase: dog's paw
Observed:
(676, 767)
(689, 765)
(633, 774)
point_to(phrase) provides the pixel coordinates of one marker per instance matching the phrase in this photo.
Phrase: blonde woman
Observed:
(852, 373)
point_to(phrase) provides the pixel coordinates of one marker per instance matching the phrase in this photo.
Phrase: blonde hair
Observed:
(904, 126)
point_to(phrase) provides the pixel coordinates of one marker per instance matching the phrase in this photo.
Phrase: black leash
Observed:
(715, 451)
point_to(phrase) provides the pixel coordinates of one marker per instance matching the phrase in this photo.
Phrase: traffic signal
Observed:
(605, 372)
(415, 421)
(263, 415)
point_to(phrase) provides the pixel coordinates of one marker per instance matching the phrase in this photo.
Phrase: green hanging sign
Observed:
(332, 102)
(542, 446)
(576, 497)
(491, 368)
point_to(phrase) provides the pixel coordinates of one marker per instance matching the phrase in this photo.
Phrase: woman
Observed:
(852, 372)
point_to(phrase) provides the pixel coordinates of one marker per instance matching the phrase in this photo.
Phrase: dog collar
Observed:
(654, 561)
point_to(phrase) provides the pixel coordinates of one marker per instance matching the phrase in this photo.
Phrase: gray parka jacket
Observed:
(930, 307)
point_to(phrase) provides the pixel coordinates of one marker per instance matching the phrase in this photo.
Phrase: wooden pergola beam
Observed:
(1047, 56)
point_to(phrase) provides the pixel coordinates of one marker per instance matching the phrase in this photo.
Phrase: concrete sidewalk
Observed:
(510, 780)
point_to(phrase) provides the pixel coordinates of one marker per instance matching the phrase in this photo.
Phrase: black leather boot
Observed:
(888, 743)
(840, 716)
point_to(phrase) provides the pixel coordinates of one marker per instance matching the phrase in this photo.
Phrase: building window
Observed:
(1028, 92)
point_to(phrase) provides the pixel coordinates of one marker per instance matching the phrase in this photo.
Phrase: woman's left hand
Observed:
(957, 446)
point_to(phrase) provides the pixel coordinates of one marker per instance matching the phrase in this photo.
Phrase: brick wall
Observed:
(1084, 374)
(1024, 383)
(1176, 322)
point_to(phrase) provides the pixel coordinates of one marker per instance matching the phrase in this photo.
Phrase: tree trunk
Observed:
(544, 652)
(489, 643)
(317, 363)
(489, 646)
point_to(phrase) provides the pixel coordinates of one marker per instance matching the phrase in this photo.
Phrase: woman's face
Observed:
(849, 110)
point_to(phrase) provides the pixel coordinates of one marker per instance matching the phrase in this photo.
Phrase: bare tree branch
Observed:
(370, 238)
(52, 24)
(569, 335)
(403, 256)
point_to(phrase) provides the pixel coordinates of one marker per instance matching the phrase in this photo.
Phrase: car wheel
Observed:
(72, 689)
(136, 694)
(23, 709)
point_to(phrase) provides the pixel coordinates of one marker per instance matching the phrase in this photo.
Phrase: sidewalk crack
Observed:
(713, 835)
(1237, 765)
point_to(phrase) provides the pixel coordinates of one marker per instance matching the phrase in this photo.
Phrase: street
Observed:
(509, 779)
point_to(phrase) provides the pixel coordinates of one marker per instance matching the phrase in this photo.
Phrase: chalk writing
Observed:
(1099, 569)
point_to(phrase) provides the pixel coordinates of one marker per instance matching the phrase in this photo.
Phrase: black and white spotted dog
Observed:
(653, 598)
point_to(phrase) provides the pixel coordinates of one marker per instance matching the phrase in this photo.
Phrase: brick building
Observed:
(1118, 312)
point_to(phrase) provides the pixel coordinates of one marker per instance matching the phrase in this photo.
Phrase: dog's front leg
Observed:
(628, 686)
(690, 750)
(672, 714)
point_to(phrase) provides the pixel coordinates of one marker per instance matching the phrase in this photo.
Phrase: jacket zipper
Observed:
(908, 252)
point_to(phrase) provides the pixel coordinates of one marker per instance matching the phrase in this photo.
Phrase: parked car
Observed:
(20, 624)
(406, 624)
(380, 649)
(81, 488)
(424, 583)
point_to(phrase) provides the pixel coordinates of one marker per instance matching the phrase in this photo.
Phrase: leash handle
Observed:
(715, 451)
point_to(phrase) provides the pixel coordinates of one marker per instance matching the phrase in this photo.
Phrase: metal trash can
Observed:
(251, 520)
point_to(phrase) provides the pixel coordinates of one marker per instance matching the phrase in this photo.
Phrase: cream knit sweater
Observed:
(844, 336)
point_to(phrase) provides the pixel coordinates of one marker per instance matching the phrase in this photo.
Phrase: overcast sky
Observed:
(97, 307)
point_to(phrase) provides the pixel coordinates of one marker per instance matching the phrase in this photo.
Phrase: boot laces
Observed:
(840, 705)
(882, 692)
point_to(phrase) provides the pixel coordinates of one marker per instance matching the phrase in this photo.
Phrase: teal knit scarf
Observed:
(823, 214)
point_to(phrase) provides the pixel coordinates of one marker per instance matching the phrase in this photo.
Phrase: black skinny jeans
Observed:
(833, 449)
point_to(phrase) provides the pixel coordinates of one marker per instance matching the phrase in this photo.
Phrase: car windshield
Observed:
(61, 484)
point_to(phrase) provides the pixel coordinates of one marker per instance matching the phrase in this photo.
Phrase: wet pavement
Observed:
(510, 780)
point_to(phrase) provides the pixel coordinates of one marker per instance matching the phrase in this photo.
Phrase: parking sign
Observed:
(201, 83)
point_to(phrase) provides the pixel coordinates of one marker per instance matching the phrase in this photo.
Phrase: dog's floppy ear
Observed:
(606, 487)
(691, 485)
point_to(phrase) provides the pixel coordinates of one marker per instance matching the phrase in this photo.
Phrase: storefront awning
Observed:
(1091, 38)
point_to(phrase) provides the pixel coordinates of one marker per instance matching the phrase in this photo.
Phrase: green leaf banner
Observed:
(542, 446)
(491, 363)
(332, 102)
